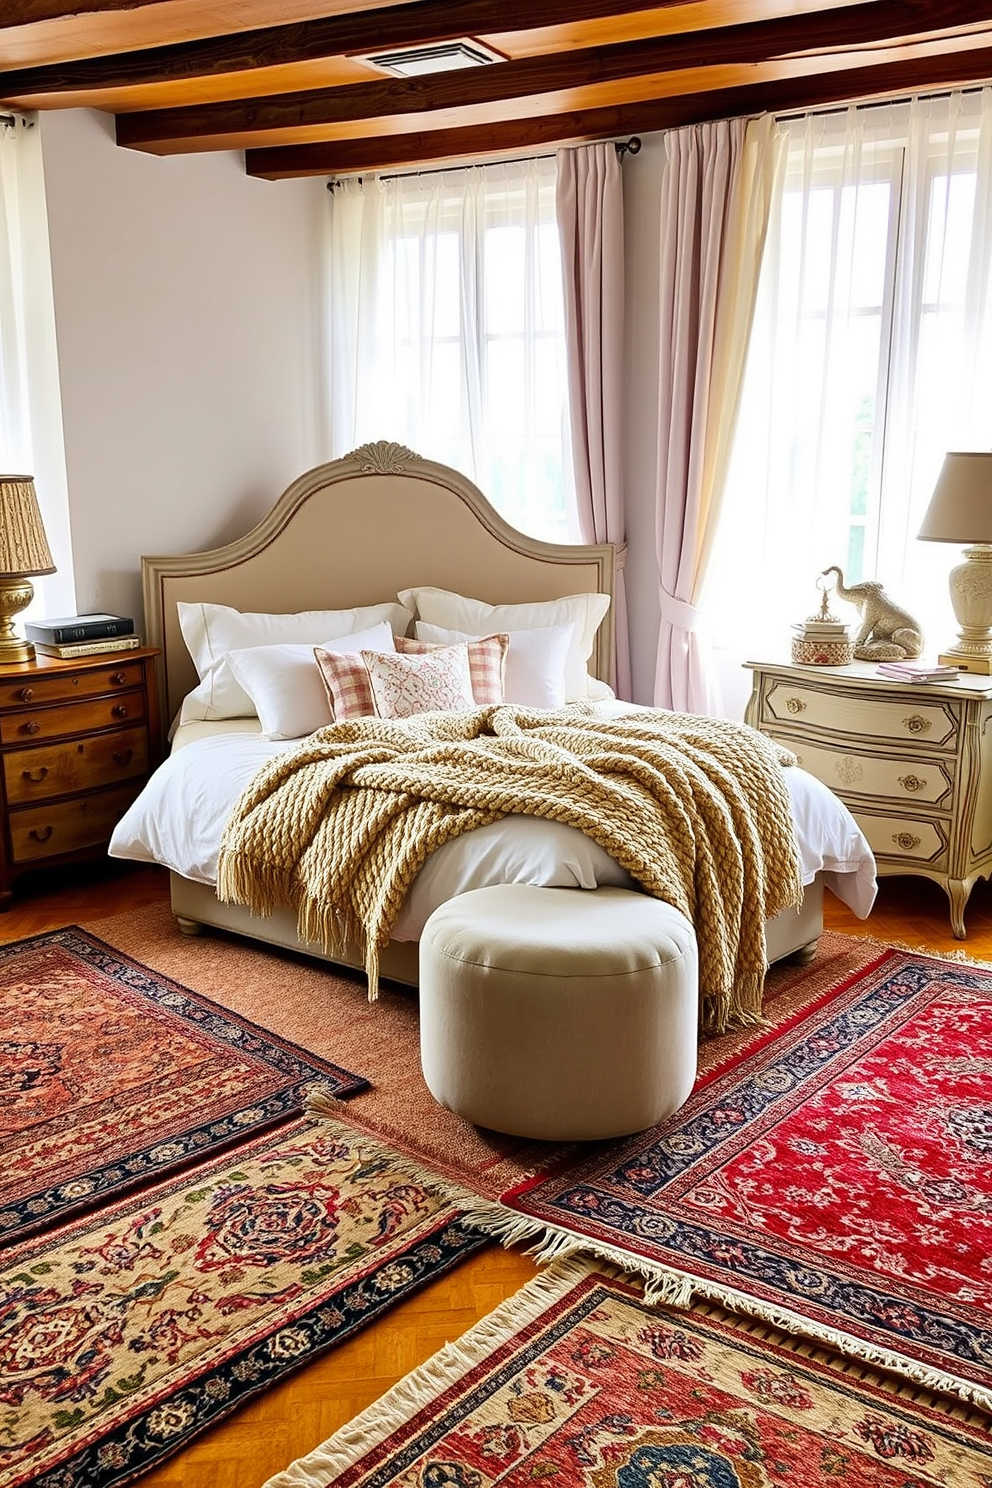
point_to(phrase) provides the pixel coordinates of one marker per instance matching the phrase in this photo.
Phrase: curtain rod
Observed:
(876, 103)
(622, 147)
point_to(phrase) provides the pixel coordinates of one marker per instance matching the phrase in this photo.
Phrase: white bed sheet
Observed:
(179, 817)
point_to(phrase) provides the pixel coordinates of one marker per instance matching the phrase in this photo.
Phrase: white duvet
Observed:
(179, 816)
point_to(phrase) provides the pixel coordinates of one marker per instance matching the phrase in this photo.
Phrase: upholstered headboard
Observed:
(354, 532)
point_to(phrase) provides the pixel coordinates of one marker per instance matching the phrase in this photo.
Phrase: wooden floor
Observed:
(267, 1434)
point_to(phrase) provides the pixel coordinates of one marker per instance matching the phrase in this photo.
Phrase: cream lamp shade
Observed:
(23, 551)
(960, 511)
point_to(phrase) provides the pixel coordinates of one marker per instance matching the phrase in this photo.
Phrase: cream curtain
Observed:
(870, 357)
(447, 329)
(31, 441)
(717, 193)
(590, 222)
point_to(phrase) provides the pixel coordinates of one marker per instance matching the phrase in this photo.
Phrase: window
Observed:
(457, 329)
(870, 357)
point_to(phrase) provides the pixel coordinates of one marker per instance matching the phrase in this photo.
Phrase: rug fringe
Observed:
(667, 1286)
(552, 1245)
(421, 1388)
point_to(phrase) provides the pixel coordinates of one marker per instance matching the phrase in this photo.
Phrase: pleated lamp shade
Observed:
(23, 545)
(24, 551)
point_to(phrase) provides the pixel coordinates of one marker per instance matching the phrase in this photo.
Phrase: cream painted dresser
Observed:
(911, 760)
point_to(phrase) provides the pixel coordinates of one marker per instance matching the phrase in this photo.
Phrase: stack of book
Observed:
(82, 635)
(917, 671)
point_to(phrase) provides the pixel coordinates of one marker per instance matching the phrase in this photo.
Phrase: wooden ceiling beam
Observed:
(520, 136)
(879, 20)
(352, 34)
(30, 12)
(759, 41)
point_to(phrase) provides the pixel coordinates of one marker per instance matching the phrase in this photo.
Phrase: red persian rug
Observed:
(125, 1332)
(112, 1075)
(836, 1180)
(575, 1380)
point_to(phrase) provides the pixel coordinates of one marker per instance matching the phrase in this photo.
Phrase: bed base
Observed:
(794, 932)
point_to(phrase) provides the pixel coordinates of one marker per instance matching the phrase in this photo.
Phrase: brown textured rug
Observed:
(327, 1012)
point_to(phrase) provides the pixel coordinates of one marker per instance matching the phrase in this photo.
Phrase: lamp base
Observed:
(15, 595)
(980, 665)
(971, 600)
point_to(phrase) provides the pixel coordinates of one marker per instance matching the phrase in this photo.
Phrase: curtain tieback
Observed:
(619, 557)
(677, 612)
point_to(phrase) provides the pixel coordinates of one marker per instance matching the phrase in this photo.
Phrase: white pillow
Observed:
(211, 630)
(584, 612)
(535, 661)
(285, 685)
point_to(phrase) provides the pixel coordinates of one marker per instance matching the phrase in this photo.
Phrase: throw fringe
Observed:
(420, 1389)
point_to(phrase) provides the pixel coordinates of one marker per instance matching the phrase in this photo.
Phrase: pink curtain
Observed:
(590, 224)
(701, 173)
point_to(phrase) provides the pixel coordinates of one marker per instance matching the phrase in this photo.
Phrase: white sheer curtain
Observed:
(590, 222)
(447, 330)
(30, 408)
(717, 193)
(870, 357)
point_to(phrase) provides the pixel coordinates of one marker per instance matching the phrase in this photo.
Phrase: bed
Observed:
(354, 534)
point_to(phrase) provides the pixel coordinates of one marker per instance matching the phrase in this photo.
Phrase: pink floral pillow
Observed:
(437, 681)
(486, 663)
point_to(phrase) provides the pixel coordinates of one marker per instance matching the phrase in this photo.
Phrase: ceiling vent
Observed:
(444, 56)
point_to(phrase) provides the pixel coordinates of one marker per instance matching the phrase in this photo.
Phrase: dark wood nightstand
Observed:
(78, 740)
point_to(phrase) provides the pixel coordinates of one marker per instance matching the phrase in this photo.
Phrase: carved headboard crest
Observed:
(383, 457)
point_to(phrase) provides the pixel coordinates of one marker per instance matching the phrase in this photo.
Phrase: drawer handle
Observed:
(35, 779)
(917, 725)
(40, 834)
(123, 757)
(911, 782)
(906, 841)
(31, 727)
(25, 694)
(119, 710)
(795, 705)
(118, 678)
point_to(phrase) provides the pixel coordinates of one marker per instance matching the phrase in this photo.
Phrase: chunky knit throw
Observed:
(696, 809)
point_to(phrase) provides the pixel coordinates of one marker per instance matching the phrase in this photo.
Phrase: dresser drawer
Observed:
(887, 719)
(67, 826)
(72, 718)
(913, 840)
(74, 765)
(928, 781)
(16, 692)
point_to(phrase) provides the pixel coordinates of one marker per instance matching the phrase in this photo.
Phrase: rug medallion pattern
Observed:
(112, 1075)
(838, 1180)
(123, 1334)
(576, 1381)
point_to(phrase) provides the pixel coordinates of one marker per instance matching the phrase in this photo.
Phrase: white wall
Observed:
(187, 306)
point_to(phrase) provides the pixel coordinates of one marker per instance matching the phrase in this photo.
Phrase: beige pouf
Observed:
(560, 1014)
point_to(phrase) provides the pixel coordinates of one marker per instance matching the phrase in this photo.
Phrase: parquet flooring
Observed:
(266, 1434)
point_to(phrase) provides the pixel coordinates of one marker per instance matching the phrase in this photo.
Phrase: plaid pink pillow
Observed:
(346, 680)
(486, 663)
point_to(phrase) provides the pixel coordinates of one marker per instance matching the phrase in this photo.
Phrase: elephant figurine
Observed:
(888, 632)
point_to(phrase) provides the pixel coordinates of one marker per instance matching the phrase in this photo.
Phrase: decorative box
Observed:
(821, 651)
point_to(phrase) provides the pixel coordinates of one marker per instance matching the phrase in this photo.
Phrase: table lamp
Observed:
(960, 511)
(23, 551)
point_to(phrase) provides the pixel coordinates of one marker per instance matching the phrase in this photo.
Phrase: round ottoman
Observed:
(560, 1014)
